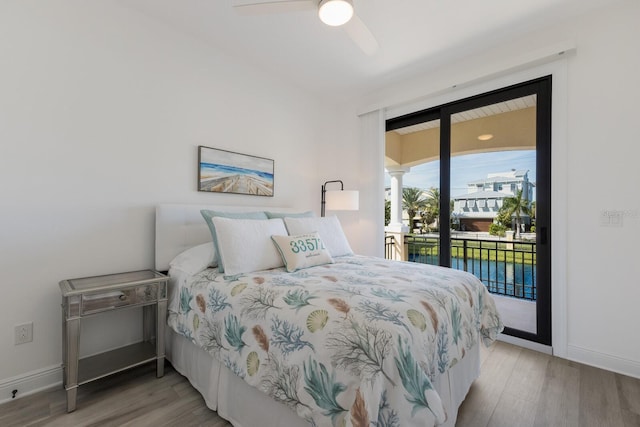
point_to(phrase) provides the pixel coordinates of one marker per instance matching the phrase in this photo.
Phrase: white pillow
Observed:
(208, 215)
(245, 245)
(328, 228)
(195, 259)
(302, 251)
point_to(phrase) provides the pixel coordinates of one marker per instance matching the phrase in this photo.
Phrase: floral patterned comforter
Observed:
(354, 343)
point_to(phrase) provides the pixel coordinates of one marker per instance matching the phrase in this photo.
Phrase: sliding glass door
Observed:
(492, 198)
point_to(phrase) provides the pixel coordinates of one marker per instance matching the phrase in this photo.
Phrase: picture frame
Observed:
(222, 171)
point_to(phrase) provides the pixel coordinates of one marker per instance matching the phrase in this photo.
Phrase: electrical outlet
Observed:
(24, 333)
(611, 218)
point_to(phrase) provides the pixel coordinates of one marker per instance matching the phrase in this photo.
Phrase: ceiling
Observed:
(414, 35)
(510, 124)
(476, 113)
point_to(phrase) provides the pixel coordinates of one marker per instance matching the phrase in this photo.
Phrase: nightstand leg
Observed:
(72, 336)
(72, 394)
(64, 345)
(161, 320)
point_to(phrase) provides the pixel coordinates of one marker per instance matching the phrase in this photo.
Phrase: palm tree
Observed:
(387, 212)
(532, 212)
(516, 205)
(432, 207)
(413, 200)
(433, 203)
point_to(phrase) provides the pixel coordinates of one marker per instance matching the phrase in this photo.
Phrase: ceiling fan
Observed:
(331, 12)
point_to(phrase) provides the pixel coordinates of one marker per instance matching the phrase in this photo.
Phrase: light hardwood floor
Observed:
(517, 388)
(520, 387)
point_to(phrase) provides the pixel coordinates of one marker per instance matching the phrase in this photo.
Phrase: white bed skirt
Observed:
(245, 406)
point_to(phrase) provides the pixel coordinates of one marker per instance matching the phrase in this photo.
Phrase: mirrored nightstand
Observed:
(91, 296)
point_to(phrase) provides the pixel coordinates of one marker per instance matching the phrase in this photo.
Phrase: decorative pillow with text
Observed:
(328, 228)
(302, 251)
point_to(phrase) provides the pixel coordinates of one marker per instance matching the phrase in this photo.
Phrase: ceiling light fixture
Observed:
(485, 137)
(335, 12)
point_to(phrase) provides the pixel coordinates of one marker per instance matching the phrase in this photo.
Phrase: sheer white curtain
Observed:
(371, 184)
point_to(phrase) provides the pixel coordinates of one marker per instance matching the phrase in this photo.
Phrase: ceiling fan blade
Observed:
(261, 7)
(361, 35)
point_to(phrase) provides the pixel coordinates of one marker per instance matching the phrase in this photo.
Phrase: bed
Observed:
(346, 341)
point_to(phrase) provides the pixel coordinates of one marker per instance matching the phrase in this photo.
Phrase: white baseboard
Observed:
(582, 355)
(604, 361)
(526, 344)
(31, 382)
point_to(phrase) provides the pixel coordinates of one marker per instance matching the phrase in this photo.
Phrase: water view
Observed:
(505, 267)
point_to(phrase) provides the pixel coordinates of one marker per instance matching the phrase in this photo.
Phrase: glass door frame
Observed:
(540, 87)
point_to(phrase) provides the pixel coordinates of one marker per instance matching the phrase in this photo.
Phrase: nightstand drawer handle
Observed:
(122, 297)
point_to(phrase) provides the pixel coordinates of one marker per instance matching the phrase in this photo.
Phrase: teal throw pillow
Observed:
(307, 214)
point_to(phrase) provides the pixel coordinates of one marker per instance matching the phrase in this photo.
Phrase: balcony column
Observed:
(396, 227)
(395, 224)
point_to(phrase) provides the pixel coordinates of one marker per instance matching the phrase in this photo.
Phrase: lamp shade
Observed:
(340, 200)
(335, 12)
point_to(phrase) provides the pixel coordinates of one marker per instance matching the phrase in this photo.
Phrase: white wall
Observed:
(101, 113)
(603, 284)
(596, 286)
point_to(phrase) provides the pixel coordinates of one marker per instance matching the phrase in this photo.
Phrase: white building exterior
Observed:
(477, 209)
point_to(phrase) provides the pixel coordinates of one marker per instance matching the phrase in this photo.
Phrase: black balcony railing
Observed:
(505, 267)
(389, 243)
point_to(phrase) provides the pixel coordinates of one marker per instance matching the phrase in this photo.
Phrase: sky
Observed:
(229, 158)
(468, 168)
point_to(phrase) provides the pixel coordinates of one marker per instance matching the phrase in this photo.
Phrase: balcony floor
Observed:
(517, 313)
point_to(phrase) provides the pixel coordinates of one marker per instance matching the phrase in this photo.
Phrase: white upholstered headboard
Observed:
(179, 227)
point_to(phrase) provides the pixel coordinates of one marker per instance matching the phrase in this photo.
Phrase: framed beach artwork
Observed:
(222, 171)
